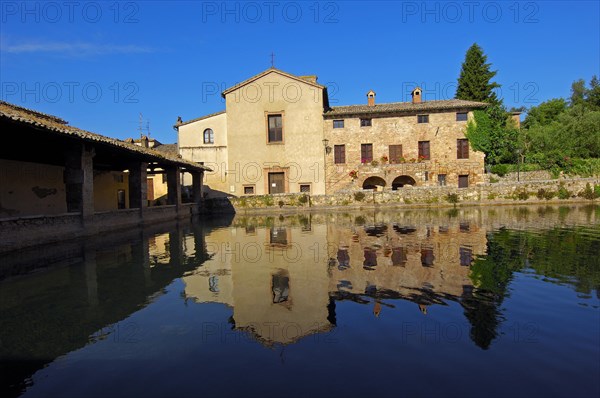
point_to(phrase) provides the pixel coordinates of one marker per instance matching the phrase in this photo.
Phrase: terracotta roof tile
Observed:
(59, 126)
(402, 107)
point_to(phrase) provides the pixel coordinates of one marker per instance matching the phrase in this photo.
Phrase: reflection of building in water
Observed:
(422, 263)
(273, 277)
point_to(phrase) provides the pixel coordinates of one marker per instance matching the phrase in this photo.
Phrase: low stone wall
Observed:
(21, 232)
(537, 175)
(488, 194)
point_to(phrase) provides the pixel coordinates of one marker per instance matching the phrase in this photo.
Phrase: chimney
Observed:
(371, 98)
(144, 141)
(416, 95)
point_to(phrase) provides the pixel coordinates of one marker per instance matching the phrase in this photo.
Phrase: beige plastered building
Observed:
(278, 134)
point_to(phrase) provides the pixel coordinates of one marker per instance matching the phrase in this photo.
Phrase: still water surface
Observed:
(468, 302)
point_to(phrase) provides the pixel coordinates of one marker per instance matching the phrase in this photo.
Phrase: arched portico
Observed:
(401, 181)
(375, 183)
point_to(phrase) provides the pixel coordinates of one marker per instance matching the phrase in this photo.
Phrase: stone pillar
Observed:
(176, 247)
(79, 179)
(197, 186)
(174, 186)
(140, 251)
(91, 279)
(138, 186)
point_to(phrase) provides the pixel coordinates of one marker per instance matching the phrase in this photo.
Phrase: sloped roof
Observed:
(167, 149)
(302, 79)
(402, 107)
(56, 125)
(199, 118)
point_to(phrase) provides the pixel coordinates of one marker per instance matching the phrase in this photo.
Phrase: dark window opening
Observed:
(422, 118)
(338, 124)
(275, 128)
(366, 153)
(365, 122)
(462, 148)
(339, 154)
(395, 153)
(424, 153)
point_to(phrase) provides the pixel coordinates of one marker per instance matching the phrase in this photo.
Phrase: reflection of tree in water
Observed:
(281, 287)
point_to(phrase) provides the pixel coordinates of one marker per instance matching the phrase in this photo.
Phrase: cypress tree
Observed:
(474, 82)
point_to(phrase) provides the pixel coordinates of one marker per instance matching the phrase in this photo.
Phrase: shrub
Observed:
(500, 169)
(491, 196)
(303, 199)
(374, 163)
(493, 180)
(521, 194)
(452, 198)
(280, 203)
(597, 190)
(563, 193)
(588, 192)
(544, 194)
(359, 196)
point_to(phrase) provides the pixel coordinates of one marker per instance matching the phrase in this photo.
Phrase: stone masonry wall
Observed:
(486, 194)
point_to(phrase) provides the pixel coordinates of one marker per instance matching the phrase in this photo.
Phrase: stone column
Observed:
(91, 279)
(138, 186)
(79, 180)
(174, 186)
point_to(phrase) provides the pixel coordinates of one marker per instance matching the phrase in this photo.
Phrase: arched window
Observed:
(209, 136)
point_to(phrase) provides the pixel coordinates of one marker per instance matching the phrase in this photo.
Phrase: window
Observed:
(462, 148)
(120, 198)
(278, 236)
(365, 122)
(461, 117)
(248, 189)
(275, 128)
(424, 150)
(395, 153)
(366, 153)
(442, 180)
(339, 154)
(164, 177)
(209, 136)
(305, 188)
(466, 256)
(463, 181)
(338, 124)
(427, 257)
(422, 118)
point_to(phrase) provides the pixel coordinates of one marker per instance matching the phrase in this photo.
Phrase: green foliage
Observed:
(545, 113)
(556, 131)
(303, 199)
(491, 133)
(474, 82)
(491, 196)
(563, 193)
(597, 190)
(544, 194)
(521, 194)
(589, 193)
(281, 203)
(268, 201)
(499, 169)
(451, 198)
(493, 180)
(359, 196)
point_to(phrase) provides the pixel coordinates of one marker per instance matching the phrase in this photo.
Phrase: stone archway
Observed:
(401, 181)
(375, 183)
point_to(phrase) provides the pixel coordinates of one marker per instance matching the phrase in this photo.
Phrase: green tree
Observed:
(474, 82)
(494, 133)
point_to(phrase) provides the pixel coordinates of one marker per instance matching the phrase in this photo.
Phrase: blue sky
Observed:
(100, 64)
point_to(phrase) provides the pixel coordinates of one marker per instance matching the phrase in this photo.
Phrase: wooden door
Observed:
(276, 183)
(463, 181)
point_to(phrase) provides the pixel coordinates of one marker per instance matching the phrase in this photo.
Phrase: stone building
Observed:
(59, 182)
(278, 134)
